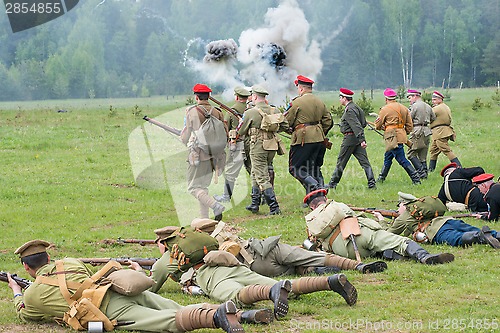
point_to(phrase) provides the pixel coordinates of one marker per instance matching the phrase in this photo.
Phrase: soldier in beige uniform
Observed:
(264, 144)
(48, 298)
(394, 118)
(237, 150)
(201, 165)
(310, 121)
(421, 115)
(442, 132)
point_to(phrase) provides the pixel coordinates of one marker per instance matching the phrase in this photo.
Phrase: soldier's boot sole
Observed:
(344, 288)
(492, 241)
(259, 316)
(374, 267)
(225, 318)
(441, 258)
(279, 295)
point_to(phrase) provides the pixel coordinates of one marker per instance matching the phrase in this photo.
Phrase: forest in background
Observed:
(130, 48)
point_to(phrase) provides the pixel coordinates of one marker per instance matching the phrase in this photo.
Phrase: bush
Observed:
(365, 103)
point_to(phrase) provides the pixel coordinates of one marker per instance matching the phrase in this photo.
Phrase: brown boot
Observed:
(278, 293)
(337, 283)
(259, 316)
(192, 318)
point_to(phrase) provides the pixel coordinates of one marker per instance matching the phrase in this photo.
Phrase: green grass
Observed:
(67, 178)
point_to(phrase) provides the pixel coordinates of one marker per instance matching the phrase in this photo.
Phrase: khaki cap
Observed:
(259, 90)
(164, 232)
(231, 247)
(241, 91)
(32, 247)
(405, 198)
(205, 224)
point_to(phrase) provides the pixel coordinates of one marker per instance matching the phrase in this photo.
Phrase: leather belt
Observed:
(299, 126)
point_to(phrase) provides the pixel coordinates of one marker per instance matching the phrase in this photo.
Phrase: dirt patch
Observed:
(33, 328)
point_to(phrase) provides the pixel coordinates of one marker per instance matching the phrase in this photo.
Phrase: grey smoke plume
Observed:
(221, 50)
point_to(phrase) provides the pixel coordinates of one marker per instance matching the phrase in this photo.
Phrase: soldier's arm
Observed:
(291, 114)
(326, 120)
(186, 130)
(353, 121)
(379, 122)
(409, 123)
(161, 271)
(244, 125)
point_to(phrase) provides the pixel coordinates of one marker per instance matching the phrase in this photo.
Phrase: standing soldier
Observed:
(442, 132)
(352, 125)
(394, 118)
(421, 115)
(202, 165)
(237, 144)
(261, 123)
(310, 121)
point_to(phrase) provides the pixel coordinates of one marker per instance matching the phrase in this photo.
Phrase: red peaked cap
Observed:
(304, 80)
(437, 94)
(446, 167)
(414, 92)
(482, 178)
(314, 194)
(201, 88)
(346, 92)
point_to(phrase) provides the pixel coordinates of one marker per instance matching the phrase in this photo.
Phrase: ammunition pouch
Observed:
(83, 311)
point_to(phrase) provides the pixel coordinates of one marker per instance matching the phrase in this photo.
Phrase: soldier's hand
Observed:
(364, 144)
(13, 285)
(135, 266)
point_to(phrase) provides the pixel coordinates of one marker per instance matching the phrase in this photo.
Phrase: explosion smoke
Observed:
(274, 54)
(221, 50)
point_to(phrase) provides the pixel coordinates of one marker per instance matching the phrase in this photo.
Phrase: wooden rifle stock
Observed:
(141, 242)
(384, 212)
(23, 283)
(227, 108)
(167, 128)
(146, 263)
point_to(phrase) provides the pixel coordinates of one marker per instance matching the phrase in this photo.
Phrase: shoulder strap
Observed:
(447, 188)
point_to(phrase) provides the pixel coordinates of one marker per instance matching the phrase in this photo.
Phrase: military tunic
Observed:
(461, 189)
(492, 197)
(442, 132)
(310, 121)
(200, 176)
(260, 158)
(149, 311)
(352, 125)
(421, 115)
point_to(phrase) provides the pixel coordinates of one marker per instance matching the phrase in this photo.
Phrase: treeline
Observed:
(125, 48)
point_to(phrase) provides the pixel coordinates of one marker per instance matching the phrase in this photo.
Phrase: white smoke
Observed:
(285, 30)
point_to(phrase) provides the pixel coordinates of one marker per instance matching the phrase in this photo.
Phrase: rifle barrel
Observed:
(167, 128)
(23, 283)
(141, 242)
(225, 107)
(146, 263)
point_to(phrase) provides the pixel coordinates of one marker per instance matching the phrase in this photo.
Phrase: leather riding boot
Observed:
(254, 206)
(432, 165)
(224, 317)
(274, 208)
(418, 166)
(410, 170)
(259, 316)
(425, 171)
(370, 177)
(471, 237)
(228, 192)
(488, 238)
(373, 267)
(455, 160)
(310, 184)
(337, 283)
(418, 253)
(392, 255)
(270, 170)
(383, 174)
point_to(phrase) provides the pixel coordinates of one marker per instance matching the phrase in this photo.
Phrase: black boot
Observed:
(370, 177)
(418, 253)
(225, 318)
(228, 192)
(418, 166)
(254, 206)
(260, 316)
(373, 267)
(471, 237)
(310, 184)
(432, 165)
(274, 208)
(279, 295)
(343, 287)
(383, 174)
(455, 160)
(488, 238)
(392, 255)
(412, 173)
(218, 209)
(424, 170)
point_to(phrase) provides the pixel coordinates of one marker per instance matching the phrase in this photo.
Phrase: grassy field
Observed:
(68, 177)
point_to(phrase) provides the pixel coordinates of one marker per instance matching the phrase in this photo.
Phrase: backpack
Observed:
(211, 137)
(426, 208)
(188, 246)
(321, 221)
(271, 122)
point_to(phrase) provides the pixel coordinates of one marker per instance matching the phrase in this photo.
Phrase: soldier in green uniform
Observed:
(440, 229)
(201, 165)
(310, 121)
(394, 118)
(264, 143)
(442, 132)
(370, 238)
(45, 300)
(237, 150)
(352, 126)
(421, 115)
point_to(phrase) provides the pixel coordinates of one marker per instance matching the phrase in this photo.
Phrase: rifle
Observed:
(237, 114)
(23, 283)
(167, 128)
(384, 212)
(146, 263)
(141, 242)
